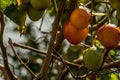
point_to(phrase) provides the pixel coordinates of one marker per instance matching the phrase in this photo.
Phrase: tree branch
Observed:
(45, 67)
(3, 48)
(40, 52)
(19, 59)
(2, 68)
(74, 64)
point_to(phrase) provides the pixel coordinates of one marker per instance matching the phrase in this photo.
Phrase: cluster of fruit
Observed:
(109, 37)
(36, 8)
(76, 28)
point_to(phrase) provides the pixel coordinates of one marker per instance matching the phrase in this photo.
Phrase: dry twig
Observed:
(3, 48)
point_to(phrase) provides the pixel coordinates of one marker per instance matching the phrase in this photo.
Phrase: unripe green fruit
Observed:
(26, 1)
(92, 59)
(34, 14)
(40, 4)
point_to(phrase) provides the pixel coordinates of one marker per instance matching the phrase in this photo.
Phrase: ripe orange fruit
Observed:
(73, 35)
(109, 35)
(80, 18)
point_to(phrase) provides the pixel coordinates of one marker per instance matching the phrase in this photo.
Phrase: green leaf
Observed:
(17, 15)
(13, 13)
(113, 77)
(73, 52)
(6, 3)
(104, 77)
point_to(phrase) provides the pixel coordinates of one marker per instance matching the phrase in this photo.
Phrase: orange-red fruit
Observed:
(109, 36)
(80, 18)
(73, 35)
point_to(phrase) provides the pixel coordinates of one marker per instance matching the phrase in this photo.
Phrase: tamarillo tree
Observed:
(59, 40)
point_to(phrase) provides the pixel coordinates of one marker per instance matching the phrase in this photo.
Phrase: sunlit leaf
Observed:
(112, 52)
(6, 3)
(22, 27)
(113, 77)
(19, 2)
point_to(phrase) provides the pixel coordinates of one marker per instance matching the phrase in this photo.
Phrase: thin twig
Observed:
(103, 21)
(105, 73)
(72, 64)
(63, 72)
(40, 52)
(99, 1)
(110, 65)
(12, 76)
(42, 19)
(19, 59)
(90, 2)
(63, 62)
(74, 76)
(55, 5)
(104, 57)
(113, 61)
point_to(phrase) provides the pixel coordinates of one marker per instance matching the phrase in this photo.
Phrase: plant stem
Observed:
(104, 57)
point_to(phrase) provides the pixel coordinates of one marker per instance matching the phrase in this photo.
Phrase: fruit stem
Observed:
(104, 57)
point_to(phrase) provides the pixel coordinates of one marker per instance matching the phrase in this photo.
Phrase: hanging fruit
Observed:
(109, 35)
(92, 59)
(40, 4)
(34, 14)
(80, 18)
(74, 35)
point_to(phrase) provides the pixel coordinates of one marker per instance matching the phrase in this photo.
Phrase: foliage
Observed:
(6, 3)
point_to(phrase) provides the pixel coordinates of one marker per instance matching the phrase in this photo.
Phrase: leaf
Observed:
(22, 27)
(6, 3)
(19, 2)
(113, 77)
(18, 15)
(13, 13)
(73, 52)
(104, 77)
